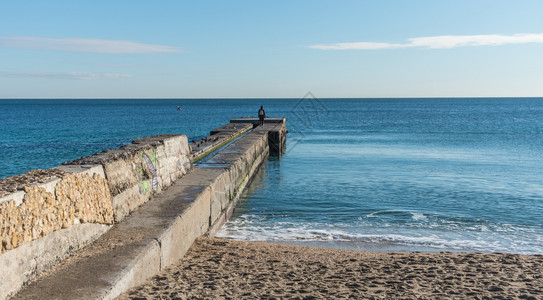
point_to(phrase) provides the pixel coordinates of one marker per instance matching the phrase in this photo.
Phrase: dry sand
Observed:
(224, 269)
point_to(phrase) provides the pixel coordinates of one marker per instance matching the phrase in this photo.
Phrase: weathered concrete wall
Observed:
(277, 137)
(218, 138)
(276, 128)
(38, 209)
(227, 174)
(108, 187)
(244, 158)
(144, 168)
(161, 231)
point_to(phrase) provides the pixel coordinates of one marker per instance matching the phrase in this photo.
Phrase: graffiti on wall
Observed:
(147, 173)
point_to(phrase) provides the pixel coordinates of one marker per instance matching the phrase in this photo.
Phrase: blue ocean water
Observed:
(446, 174)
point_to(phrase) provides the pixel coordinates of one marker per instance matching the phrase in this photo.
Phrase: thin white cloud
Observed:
(63, 75)
(82, 45)
(440, 42)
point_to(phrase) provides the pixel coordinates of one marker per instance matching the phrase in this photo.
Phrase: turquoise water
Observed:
(45, 133)
(445, 174)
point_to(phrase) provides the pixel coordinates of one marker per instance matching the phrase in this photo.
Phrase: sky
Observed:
(270, 49)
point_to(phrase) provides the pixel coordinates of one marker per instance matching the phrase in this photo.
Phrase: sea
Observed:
(416, 174)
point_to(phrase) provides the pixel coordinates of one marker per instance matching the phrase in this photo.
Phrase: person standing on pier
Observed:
(261, 115)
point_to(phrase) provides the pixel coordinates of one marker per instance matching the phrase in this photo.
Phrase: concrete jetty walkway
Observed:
(161, 231)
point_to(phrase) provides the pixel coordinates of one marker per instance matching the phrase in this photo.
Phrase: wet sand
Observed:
(225, 269)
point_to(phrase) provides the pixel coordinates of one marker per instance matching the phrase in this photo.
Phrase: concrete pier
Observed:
(161, 230)
(218, 138)
(276, 128)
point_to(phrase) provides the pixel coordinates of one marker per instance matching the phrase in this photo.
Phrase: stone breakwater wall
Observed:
(39, 202)
(218, 138)
(275, 127)
(161, 231)
(142, 169)
(76, 198)
(47, 215)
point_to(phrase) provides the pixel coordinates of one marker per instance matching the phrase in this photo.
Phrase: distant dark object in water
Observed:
(179, 108)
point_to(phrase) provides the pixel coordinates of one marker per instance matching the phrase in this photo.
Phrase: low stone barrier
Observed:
(144, 168)
(47, 215)
(50, 215)
(43, 212)
(72, 198)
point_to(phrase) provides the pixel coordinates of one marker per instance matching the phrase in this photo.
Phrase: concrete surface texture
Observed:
(139, 170)
(218, 138)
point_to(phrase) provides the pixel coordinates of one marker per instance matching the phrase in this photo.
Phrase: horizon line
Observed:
(271, 98)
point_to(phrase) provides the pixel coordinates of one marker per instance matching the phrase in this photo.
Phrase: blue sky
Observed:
(231, 49)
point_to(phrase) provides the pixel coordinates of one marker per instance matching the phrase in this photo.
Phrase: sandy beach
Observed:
(225, 269)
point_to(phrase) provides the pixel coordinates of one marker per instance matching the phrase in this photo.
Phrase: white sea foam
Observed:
(418, 216)
(478, 238)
